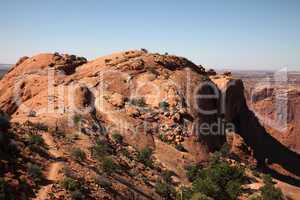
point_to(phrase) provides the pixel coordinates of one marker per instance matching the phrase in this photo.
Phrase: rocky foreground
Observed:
(134, 125)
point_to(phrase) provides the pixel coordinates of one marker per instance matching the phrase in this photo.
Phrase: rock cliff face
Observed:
(147, 101)
(278, 109)
(145, 97)
(267, 149)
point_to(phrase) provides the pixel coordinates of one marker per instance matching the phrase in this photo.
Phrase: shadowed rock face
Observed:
(264, 146)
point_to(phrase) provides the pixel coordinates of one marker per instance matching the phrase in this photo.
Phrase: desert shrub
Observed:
(41, 126)
(77, 119)
(103, 182)
(140, 102)
(70, 184)
(167, 176)
(165, 190)
(225, 150)
(200, 196)
(163, 138)
(36, 140)
(193, 172)
(109, 166)
(255, 197)
(184, 193)
(206, 186)
(100, 150)
(145, 157)
(117, 137)
(35, 172)
(180, 147)
(164, 105)
(233, 189)
(78, 154)
(220, 181)
(269, 191)
(77, 195)
(126, 153)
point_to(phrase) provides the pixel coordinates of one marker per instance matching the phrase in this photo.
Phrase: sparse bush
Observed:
(109, 166)
(220, 181)
(193, 172)
(163, 138)
(100, 150)
(165, 190)
(103, 182)
(77, 119)
(164, 105)
(200, 196)
(35, 172)
(184, 193)
(78, 154)
(41, 126)
(126, 153)
(36, 140)
(70, 184)
(269, 191)
(167, 176)
(145, 157)
(225, 150)
(140, 102)
(117, 137)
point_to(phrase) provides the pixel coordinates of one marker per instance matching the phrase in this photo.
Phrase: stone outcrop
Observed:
(141, 95)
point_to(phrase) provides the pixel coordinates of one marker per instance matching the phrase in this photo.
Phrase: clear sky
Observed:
(239, 34)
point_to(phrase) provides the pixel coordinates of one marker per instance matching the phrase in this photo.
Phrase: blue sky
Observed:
(239, 34)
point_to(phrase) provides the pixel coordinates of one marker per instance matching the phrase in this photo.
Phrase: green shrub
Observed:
(140, 102)
(70, 184)
(193, 172)
(207, 187)
(145, 157)
(165, 190)
(164, 105)
(100, 150)
(78, 154)
(163, 138)
(77, 119)
(233, 189)
(35, 172)
(109, 166)
(41, 127)
(225, 150)
(220, 181)
(117, 137)
(167, 176)
(269, 191)
(36, 140)
(199, 196)
(184, 193)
